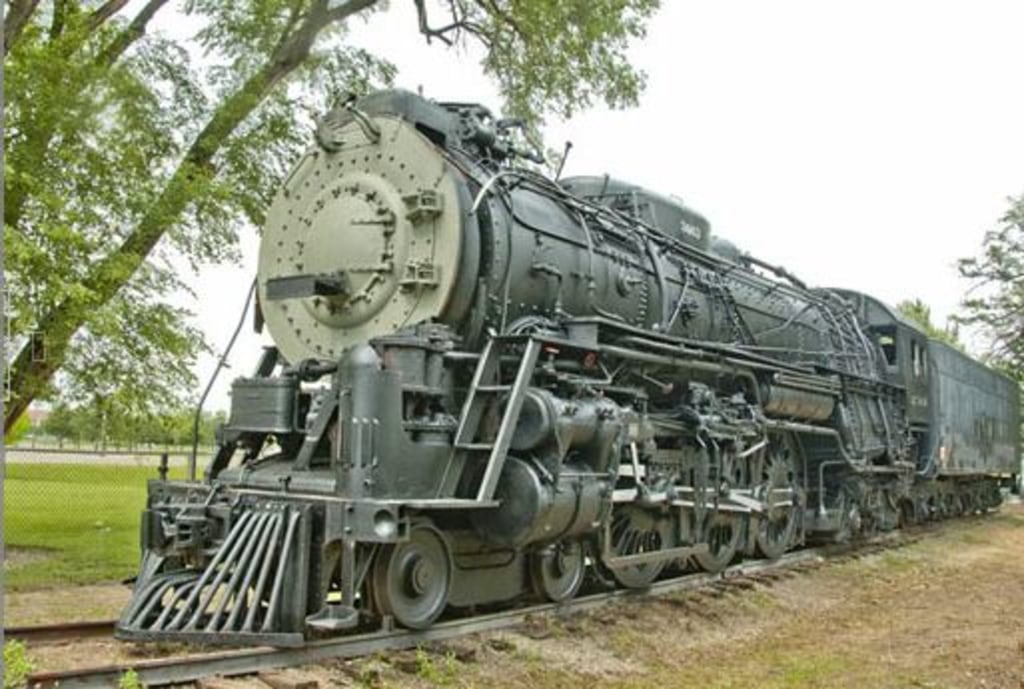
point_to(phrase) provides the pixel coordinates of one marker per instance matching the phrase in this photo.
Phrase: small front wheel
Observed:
(411, 580)
(556, 572)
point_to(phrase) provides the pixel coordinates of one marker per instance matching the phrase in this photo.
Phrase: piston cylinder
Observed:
(535, 509)
(550, 426)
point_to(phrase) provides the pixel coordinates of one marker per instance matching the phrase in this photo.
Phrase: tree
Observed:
(127, 165)
(109, 422)
(921, 315)
(995, 303)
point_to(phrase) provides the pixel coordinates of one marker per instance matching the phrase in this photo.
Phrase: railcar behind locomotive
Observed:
(487, 385)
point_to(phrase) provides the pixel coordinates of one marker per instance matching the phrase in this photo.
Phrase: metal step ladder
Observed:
(853, 348)
(849, 345)
(486, 386)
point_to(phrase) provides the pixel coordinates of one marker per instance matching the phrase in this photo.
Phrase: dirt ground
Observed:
(65, 604)
(946, 612)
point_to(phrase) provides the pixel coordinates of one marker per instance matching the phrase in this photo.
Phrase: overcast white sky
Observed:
(862, 144)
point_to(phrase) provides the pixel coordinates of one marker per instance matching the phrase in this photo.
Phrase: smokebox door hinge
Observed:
(419, 276)
(423, 205)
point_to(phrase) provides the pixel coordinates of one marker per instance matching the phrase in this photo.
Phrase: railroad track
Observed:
(62, 632)
(249, 661)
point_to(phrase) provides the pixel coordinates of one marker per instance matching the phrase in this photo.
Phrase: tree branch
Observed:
(294, 15)
(492, 7)
(294, 46)
(16, 18)
(424, 24)
(133, 32)
(60, 13)
(459, 23)
(347, 9)
(104, 12)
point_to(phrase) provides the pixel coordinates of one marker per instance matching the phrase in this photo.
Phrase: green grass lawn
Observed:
(73, 523)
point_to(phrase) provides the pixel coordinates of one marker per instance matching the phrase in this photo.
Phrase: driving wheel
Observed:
(722, 535)
(777, 527)
(636, 530)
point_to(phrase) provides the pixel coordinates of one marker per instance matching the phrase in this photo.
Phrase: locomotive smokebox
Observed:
(365, 238)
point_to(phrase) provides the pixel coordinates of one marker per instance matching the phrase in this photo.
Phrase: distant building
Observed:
(37, 415)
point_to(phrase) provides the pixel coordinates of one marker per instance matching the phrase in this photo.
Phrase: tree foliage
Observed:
(995, 303)
(109, 422)
(557, 56)
(921, 315)
(128, 165)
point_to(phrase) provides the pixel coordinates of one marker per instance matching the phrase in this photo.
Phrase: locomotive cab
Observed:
(904, 348)
(905, 352)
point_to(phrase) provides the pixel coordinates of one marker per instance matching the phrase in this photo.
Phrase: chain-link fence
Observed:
(71, 515)
(35, 443)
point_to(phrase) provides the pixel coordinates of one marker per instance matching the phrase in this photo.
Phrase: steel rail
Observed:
(60, 632)
(174, 670)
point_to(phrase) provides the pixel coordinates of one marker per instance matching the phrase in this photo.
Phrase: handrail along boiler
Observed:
(488, 385)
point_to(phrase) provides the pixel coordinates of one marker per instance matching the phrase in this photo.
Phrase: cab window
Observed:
(886, 338)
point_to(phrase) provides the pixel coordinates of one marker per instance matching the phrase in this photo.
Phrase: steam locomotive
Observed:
(488, 386)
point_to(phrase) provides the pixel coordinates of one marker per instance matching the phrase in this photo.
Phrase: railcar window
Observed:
(917, 354)
(887, 341)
